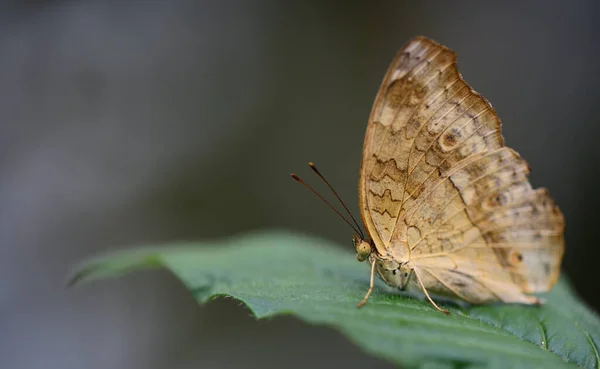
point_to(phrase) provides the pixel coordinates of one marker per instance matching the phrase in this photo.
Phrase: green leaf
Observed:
(280, 273)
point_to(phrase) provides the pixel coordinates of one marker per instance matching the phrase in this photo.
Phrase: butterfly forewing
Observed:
(439, 189)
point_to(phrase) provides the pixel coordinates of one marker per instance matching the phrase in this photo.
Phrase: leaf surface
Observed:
(278, 273)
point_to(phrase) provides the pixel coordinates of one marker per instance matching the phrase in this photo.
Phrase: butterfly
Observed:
(447, 207)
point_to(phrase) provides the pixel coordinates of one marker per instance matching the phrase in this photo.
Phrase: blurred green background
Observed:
(127, 123)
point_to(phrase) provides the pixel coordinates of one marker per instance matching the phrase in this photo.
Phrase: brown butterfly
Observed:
(448, 208)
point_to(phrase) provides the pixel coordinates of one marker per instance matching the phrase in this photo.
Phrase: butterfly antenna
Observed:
(314, 168)
(326, 202)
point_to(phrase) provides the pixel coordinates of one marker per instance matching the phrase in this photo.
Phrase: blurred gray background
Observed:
(128, 123)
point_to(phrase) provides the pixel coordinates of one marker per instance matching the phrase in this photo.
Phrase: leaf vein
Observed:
(591, 342)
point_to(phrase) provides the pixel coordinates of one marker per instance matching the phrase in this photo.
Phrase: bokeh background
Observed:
(126, 123)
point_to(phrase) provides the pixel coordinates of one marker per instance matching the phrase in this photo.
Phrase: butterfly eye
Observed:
(363, 250)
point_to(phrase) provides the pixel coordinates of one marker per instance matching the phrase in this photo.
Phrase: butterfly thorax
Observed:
(392, 272)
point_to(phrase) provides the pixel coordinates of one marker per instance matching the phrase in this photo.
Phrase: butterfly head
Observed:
(363, 248)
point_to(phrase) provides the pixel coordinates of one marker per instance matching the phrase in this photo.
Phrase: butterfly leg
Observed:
(427, 294)
(364, 300)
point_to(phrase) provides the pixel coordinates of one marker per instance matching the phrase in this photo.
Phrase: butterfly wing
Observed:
(420, 68)
(434, 162)
(499, 232)
(421, 95)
